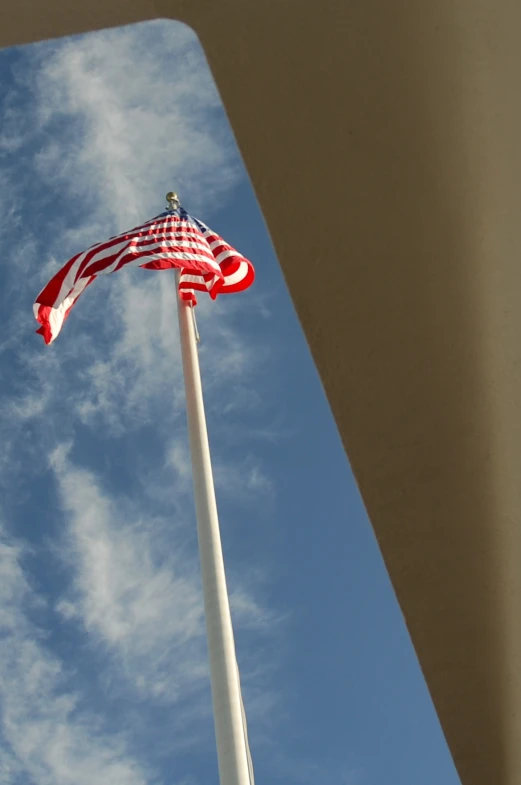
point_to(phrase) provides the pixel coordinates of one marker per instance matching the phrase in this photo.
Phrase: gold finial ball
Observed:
(172, 197)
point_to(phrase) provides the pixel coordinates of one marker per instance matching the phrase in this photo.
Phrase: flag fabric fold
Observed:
(174, 239)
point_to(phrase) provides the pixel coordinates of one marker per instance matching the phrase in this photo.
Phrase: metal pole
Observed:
(232, 746)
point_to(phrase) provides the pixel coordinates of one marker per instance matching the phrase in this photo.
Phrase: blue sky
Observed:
(103, 672)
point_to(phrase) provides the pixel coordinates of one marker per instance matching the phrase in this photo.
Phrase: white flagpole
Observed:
(230, 731)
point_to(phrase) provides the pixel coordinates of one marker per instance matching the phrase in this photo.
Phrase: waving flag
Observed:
(174, 239)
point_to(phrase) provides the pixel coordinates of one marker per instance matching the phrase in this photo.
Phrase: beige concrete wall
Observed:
(403, 121)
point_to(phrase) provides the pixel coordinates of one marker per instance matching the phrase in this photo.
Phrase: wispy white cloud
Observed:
(245, 482)
(142, 605)
(44, 733)
(140, 107)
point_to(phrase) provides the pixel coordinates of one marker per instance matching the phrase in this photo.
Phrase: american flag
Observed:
(174, 239)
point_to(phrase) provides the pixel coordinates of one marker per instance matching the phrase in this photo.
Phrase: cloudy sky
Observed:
(103, 668)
